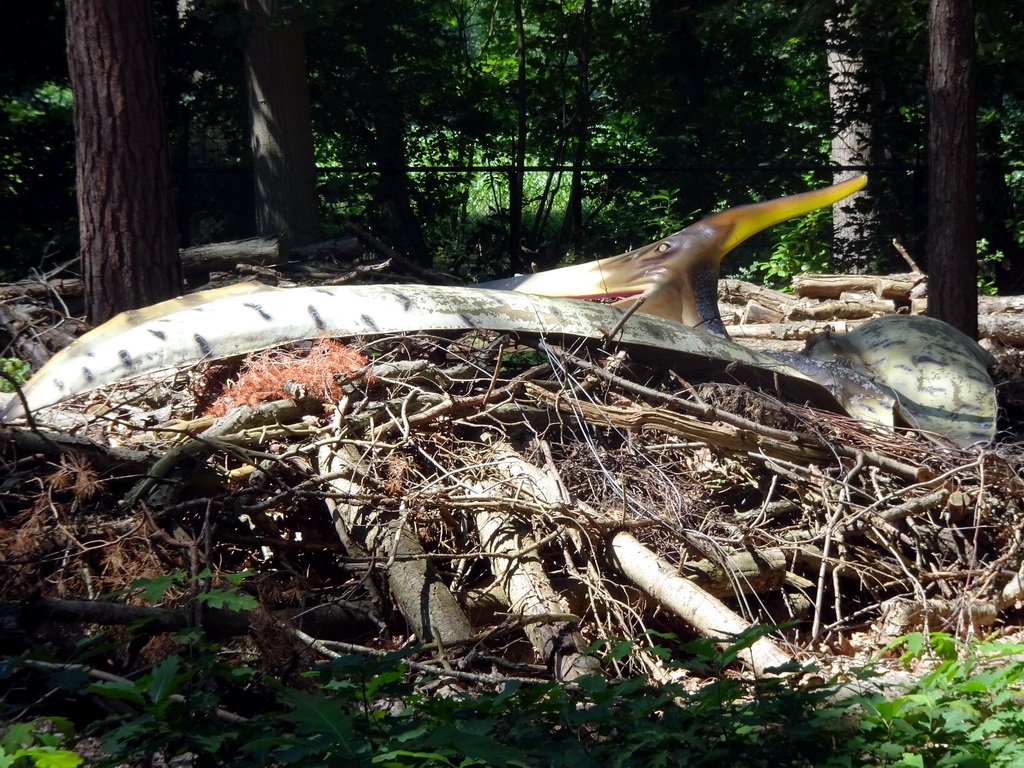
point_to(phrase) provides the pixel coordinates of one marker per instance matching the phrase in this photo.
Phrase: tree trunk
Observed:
(126, 213)
(387, 145)
(284, 165)
(853, 221)
(214, 198)
(952, 152)
(572, 225)
(515, 179)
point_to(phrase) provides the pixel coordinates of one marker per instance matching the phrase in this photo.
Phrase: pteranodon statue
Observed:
(902, 369)
(678, 320)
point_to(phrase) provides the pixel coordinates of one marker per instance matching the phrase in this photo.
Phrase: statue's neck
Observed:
(705, 289)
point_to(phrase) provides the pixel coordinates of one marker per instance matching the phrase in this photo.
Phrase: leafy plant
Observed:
(801, 249)
(520, 360)
(988, 262)
(961, 713)
(38, 743)
(665, 216)
(13, 370)
(231, 599)
(371, 711)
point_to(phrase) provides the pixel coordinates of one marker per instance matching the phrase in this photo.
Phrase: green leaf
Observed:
(164, 679)
(237, 578)
(117, 690)
(49, 757)
(319, 712)
(888, 710)
(479, 746)
(153, 589)
(228, 599)
(432, 758)
(18, 735)
(17, 369)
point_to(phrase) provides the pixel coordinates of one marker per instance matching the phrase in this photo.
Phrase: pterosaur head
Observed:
(678, 275)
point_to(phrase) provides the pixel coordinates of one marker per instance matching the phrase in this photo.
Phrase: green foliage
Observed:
(37, 196)
(38, 743)
(14, 370)
(801, 249)
(664, 209)
(36, 174)
(231, 599)
(963, 712)
(989, 261)
(518, 361)
(363, 711)
(720, 104)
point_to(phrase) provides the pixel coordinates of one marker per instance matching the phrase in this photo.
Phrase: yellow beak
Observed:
(676, 273)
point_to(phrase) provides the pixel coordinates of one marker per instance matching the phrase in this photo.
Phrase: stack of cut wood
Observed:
(839, 302)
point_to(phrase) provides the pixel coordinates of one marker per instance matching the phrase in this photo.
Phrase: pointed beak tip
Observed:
(858, 182)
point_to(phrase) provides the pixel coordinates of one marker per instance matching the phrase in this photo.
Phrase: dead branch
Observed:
(424, 600)
(524, 579)
(708, 615)
(461, 472)
(427, 275)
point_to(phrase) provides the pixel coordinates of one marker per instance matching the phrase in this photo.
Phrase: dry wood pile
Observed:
(839, 302)
(504, 506)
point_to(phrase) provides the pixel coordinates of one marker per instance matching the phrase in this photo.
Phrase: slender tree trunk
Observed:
(215, 202)
(572, 227)
(515, 179)
(284, 164)
(952, 153)
(853, 220)
(129, 245)
(387, 145)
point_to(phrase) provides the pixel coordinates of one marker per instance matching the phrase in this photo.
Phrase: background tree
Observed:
(952, 150)
(126, 216)
(853, 221)
(208, 120)
(636, 117)
(284, 168)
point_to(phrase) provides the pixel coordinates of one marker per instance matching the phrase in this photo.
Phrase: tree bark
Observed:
(284, 165)
(522, 574)
(572, 225)
(126, 213)
(515, 179)
(705, 613)
(952, 153)
(853, 220)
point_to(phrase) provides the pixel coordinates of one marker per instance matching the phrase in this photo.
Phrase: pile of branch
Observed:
(503, 507)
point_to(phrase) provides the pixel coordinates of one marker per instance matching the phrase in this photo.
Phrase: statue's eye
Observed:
(662, 247)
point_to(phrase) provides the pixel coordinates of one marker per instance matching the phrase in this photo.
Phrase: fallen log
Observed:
(209, 257)
(733, 291)
(215, 257)
(852, 307)
(833, 286)
(68, 288)
(522, 575)
(429, 607)
(260, 251)
(708, 615)
(1007, 329)
(989, 305)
